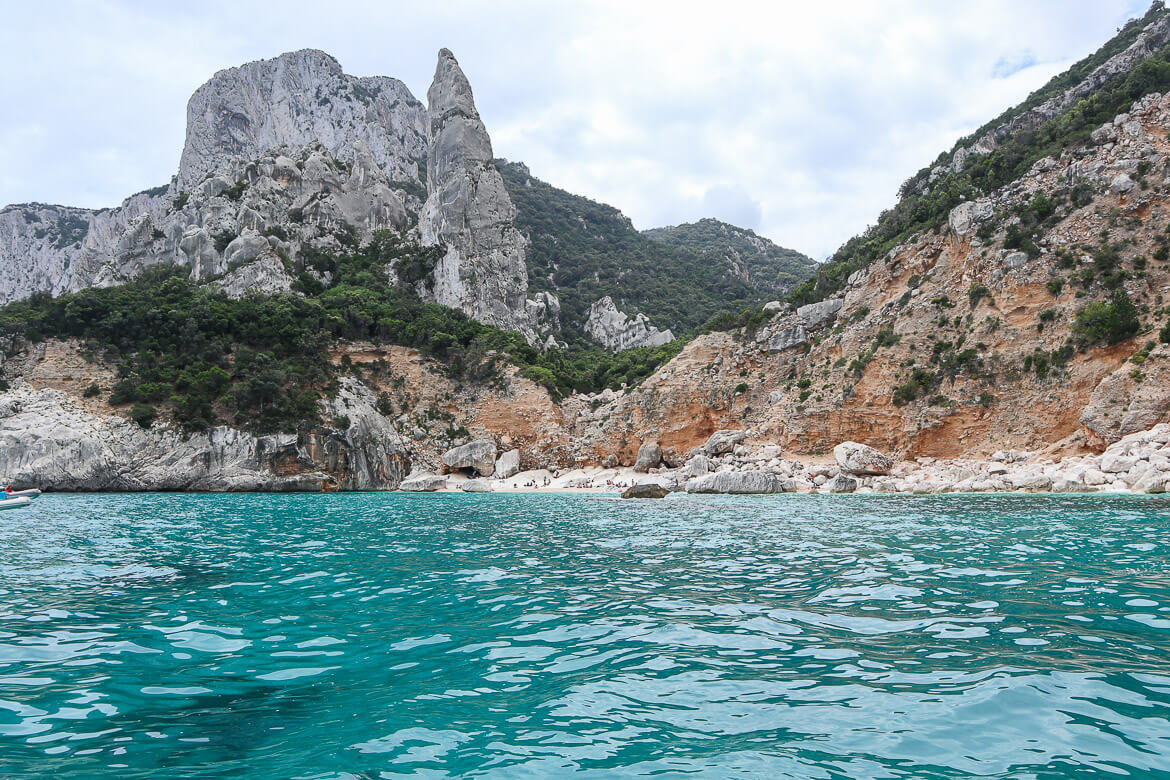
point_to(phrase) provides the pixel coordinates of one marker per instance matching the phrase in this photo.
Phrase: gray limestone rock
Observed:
(1015, 260)
(296, 99)
(477, 456)
(49, 440)
(649, 456)
(615, 330)
(738, 482)
(266, 275)
(965, 217)
(722, 442)
(475, 486)
(861, 460)
(841, 483)
(468, 211)
(508, 464)
(1121, 183)
(790, 333)
(696, 467)
(813, 315)
(423, 483)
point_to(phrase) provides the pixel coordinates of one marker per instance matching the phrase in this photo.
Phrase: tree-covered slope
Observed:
(582, 250)
(1059, 115)
(771, 270)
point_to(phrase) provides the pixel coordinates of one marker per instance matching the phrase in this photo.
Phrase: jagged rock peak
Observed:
(615, 330)
(293, 100)
(468, 211)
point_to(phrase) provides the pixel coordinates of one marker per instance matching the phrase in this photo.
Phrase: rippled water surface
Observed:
(387, 635)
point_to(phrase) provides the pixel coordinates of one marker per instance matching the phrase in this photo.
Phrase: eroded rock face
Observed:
(722, 442)
(49, 440)
(861, 460)
(813, 315)
(477, 456)
(966, 217)
(508, 464)
(1125, 402)
(615, 330)
(296, 99)
(649, 456)
(468, 211)
(266, 275)
(423, 483)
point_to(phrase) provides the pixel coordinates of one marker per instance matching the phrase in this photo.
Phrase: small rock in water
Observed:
(646, 490)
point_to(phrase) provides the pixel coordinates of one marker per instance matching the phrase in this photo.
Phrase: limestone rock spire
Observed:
(468, 211)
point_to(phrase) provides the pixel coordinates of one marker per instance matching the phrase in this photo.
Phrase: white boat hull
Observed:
(30, 493)
(15, 503)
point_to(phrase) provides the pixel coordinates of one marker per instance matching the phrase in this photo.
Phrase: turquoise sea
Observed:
(512, 636)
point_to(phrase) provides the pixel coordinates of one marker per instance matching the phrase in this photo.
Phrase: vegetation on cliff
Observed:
(263, 362)
(581, 251)
(924, 204)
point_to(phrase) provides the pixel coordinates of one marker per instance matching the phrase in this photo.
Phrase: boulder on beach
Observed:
(477, 456)
(738, 482)
(649, 456)
(508, 464)
(723, 442)
(861, 460)
(645, 490)
(475, 486)
(841, 483)
(696, 467)
(423, 483)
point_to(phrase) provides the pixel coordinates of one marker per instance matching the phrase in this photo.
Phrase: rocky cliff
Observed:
(290, 153)
(50, 439)
(295, 100)
(615, 330)
(469, 214)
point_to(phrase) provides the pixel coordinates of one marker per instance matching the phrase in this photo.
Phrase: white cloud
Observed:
(796, 119)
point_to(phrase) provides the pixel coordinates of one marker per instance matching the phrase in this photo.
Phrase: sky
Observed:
(798, 120)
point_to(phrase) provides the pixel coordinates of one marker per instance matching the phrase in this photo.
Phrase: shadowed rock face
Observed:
(468, 210)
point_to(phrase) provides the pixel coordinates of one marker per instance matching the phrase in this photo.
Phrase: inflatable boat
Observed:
(15, 503)
(30, 493)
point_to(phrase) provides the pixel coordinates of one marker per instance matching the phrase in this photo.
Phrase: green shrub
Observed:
(977, 292)
(1107, 323)
(91, 391)
(143, 414)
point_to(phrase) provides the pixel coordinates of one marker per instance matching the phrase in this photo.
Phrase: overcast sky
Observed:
(796, 119)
